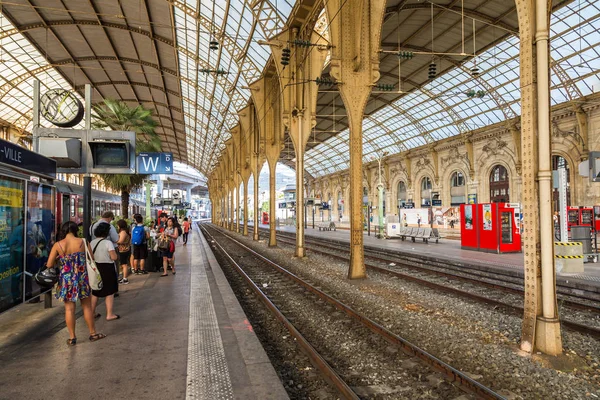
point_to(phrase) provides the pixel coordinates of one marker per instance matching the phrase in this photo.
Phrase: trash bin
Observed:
(582, 234)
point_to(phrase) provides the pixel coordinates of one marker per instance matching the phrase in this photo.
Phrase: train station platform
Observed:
(181, 336)
(448, 250)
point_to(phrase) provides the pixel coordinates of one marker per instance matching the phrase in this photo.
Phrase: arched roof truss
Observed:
(153, 52)
(440, 107)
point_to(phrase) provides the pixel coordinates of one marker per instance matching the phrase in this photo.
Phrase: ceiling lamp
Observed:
(285, 56)
(213, 44)
(432, 70)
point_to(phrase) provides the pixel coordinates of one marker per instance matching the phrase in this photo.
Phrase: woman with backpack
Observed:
(124, 246)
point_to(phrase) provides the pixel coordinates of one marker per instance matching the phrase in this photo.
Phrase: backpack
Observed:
(138, 236)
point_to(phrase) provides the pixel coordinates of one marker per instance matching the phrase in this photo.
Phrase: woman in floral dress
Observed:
(73, 283)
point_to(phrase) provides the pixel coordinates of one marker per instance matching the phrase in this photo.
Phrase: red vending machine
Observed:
(509, 222)
(597, 218)
(586, 216)
(572, 216)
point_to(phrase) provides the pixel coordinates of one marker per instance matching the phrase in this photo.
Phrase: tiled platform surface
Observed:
(182, 336)
(451, 250)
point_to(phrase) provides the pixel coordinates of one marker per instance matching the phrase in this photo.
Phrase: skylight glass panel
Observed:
(19, 62)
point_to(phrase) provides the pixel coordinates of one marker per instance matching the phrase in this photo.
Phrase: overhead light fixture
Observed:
(213, 44)
(285, 56)
(432, 70)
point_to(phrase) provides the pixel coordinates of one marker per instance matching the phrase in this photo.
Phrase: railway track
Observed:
(351, 351)
(501, 292)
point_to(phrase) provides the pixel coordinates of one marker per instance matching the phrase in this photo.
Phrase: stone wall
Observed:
(575, 132)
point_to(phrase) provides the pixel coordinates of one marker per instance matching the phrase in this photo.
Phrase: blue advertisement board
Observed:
(12, 236)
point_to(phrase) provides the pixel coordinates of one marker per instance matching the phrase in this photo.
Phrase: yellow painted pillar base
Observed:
(547, 336)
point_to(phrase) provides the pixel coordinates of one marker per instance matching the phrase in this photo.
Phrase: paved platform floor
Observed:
(182, 336)
(448, 249)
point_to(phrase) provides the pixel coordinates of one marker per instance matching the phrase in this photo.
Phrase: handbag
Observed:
(164, 244)
(92, 269)
(47, 277)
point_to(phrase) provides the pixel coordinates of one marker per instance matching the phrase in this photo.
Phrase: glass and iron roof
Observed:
(440, 109)
(158, 53)
(152, 52)
(20, 62)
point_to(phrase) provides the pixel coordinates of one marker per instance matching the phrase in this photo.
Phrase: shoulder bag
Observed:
(164, 243)
(93, 273)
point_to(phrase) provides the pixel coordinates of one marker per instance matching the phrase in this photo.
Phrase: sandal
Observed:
(71, 342)
(113, 319)
(173, 272)
(164, 275)
(97, 316)
(97, 336)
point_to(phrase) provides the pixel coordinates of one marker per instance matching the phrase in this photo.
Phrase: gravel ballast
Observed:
(471, 337)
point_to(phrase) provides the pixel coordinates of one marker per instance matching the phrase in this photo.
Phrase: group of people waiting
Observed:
(128, 245)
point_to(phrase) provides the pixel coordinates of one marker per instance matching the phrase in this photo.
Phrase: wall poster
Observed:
(469, 216)
(12, 238)
(487, 217)
(40, 236)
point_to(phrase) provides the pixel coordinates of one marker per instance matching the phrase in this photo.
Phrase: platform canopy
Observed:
(158, 53)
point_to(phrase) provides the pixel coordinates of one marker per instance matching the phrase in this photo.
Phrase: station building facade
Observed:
(484, 166)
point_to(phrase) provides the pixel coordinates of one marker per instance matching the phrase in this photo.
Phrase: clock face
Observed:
(61, 108)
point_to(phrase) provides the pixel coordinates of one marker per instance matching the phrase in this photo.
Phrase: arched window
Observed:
(499, 185)
(340, 204)
(401, 194)
(365, 196)
(426, 191)
(560, 162)
(457, 189)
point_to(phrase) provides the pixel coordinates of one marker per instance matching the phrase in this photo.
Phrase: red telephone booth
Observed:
(265, 218)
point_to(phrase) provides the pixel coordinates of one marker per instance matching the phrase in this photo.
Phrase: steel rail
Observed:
(516, 310)
(411, 264)
(315, 358)
(463, 381)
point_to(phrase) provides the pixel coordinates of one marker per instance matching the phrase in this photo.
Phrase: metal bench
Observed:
(435, 233)
(407, 232)
(326, 226)
(418, 234)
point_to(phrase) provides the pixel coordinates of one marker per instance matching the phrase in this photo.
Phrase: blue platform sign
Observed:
(155, 163)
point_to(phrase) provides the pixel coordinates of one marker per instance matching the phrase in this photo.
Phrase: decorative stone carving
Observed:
(494, 147)
(559, 133)
(397, 168)
(423, 162)
(454, 156)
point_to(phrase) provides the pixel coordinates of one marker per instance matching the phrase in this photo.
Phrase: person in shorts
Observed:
(124, 247)
(171, 234)
(139, 242)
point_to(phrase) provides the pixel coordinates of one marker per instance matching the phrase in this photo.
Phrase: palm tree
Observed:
(118, 116)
